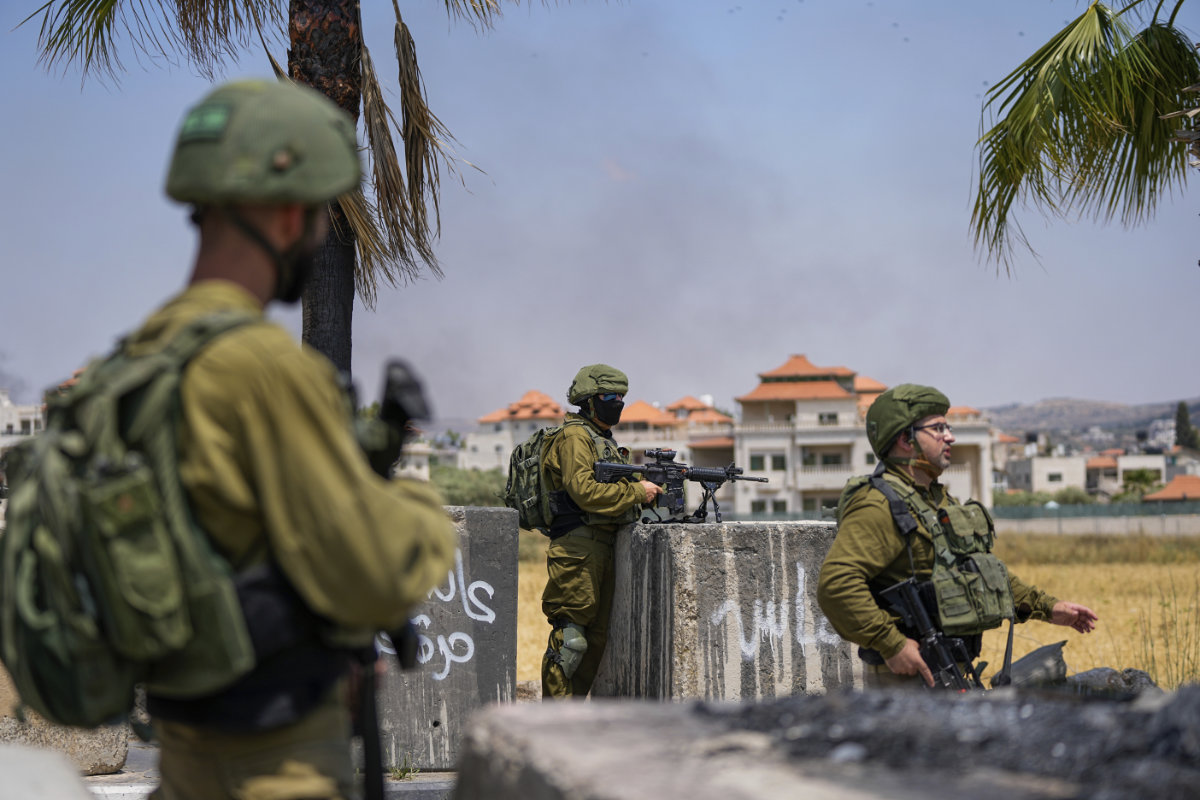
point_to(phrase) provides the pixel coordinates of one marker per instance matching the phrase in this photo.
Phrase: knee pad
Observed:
(573, 647)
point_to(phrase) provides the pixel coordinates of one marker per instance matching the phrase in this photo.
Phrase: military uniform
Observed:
(270, 465)
(869, 554)
(579, 561)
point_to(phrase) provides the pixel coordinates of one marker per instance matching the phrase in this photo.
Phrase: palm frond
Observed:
(478, 13)
(86, 32)
(1080, 128)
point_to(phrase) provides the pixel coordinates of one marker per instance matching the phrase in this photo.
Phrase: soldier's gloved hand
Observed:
(573, 647)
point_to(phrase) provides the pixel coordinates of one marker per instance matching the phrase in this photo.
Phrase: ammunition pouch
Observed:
(971, 584)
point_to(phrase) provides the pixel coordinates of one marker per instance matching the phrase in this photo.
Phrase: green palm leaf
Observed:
(394, 224)
(1084, 126)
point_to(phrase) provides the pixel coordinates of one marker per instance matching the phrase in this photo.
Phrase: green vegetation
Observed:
(1088, 124)
(1137, 484)
(468, 487)
(404, 772)
(1186, 434)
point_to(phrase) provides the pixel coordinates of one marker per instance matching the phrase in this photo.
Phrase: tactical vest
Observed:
(970, 584)
(561, 504)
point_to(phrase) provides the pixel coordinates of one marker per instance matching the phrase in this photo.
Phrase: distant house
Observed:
(1047, 473)
(18, 421)
(1102, 476)
(503, 429)
(1181, 487)
(803, 428)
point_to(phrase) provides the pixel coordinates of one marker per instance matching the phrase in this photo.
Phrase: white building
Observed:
(1048, 473)
(803, 428)
(17, 421)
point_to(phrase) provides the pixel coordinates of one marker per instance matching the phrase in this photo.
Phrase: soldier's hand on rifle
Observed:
(1073, 615)
(909, 662)
(653, 490)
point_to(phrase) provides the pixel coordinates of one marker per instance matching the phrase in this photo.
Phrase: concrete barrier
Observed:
(32, 773)
(1150, 525)
(99, 751)
(722, 612)
(468, 646)
(873, 745)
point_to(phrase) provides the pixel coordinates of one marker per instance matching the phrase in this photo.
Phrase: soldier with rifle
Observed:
(911, 578)
(586, 517)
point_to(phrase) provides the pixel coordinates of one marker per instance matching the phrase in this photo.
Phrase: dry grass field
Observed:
(1146, 591)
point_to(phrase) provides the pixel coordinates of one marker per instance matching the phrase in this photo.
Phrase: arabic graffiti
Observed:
(456, 647)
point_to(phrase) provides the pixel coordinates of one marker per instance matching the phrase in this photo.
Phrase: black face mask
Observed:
(607, 412)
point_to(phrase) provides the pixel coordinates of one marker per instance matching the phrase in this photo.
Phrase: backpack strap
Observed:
(901, 515)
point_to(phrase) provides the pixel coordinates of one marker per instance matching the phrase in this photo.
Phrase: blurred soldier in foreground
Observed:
(587, 514)
(901, 524)
(269, 462)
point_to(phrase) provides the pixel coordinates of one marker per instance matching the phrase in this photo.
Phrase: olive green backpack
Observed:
(107, 581)
(525, 489)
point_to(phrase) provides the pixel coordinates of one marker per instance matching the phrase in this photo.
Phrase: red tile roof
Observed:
(799, 366)
(714, 443)
(1004, 438)
(532, 405)
(1181, 487)
(688, 403)
(962, 411)
(641, 411)
(708, 416)
(1102, 462)
(863, 385)
(796, 390)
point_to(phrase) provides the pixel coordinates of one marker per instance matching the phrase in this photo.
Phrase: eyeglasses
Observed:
(942, 429)
(610, 396)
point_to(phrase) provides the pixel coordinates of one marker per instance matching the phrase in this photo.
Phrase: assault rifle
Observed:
(942, 653)
(669, 475)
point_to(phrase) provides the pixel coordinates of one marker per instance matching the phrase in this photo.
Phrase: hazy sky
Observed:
(688, 190)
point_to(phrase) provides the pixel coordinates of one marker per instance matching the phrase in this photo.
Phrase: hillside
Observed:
(1067, 414)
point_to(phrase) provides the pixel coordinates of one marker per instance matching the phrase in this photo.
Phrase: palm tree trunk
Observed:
(326, 42)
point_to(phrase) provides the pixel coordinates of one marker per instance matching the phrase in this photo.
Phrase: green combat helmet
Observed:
(596, 379)
(260, 141)
(898, 409)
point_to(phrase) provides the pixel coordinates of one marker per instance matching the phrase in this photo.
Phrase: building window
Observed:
(779, 506)
(809, 504)
(831, 459)
(758, 506)
(808, 459)
(756, 463)
(870, 459)
(1054, 477)
(778, 462)
(498, 427)
(827, 418)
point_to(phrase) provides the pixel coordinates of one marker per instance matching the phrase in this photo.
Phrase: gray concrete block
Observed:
(722, 612)
(624, 750)
(883, 745)
(98, 751)
(32, 773)
(468, 647)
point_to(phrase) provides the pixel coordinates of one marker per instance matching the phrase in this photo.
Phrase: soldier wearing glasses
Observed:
(907, 430)
(587, 514)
